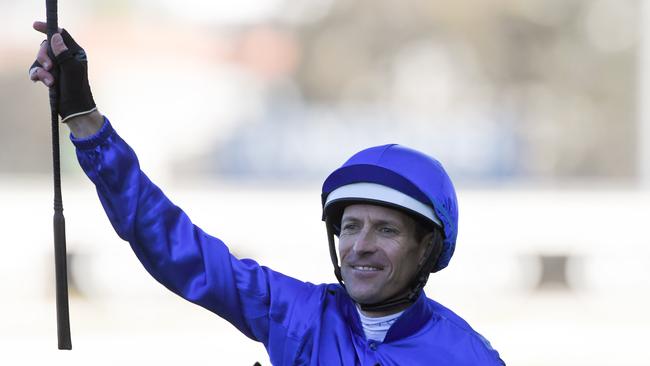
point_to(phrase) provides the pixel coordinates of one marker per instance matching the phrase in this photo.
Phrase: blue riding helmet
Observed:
(398, 177)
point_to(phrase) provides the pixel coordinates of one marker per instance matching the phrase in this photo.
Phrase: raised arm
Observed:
(173, 250)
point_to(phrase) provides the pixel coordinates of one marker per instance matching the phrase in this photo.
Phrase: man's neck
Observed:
(377, 314)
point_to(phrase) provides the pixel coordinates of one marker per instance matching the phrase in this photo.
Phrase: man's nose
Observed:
(364, 242)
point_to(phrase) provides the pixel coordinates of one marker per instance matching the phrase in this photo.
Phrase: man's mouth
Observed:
(366, 268)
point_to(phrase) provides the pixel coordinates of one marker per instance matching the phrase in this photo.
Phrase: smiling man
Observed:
(395, 213)
(378, 247)
(393, 209)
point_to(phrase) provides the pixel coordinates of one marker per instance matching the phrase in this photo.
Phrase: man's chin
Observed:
(371, 297)
(364, 298)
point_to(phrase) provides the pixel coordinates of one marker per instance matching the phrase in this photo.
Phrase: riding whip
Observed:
(60, 266)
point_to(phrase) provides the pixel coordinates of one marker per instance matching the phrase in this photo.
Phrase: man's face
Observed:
(379, 253)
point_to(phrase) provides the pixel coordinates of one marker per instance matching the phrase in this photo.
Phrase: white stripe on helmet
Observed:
(381, 193)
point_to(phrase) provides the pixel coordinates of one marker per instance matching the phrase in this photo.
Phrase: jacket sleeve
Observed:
(178, 254)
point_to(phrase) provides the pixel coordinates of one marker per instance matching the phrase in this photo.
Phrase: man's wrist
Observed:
(86, 124)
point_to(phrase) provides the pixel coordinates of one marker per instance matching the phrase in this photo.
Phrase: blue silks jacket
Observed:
(299, 323)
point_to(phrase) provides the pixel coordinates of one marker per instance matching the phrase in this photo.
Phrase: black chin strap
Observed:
(425, 266)
(333, 256)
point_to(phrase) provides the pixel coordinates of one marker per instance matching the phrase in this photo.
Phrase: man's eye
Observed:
(388, 230)
(349, 227)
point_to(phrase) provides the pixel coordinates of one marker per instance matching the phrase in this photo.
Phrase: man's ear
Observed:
(425, 242)
(431, 246)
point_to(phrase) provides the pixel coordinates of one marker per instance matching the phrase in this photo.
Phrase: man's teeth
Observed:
(366, 268)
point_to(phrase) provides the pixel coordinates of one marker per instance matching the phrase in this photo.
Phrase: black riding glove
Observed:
(75, 97)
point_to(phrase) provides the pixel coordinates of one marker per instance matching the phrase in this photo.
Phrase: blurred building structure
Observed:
(501, 90)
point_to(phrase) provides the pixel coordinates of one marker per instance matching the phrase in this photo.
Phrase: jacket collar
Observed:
(412, 320)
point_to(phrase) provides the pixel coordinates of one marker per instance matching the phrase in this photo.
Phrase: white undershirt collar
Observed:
(376, 328)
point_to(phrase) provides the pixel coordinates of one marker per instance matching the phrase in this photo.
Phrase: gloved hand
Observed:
(75, 97)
